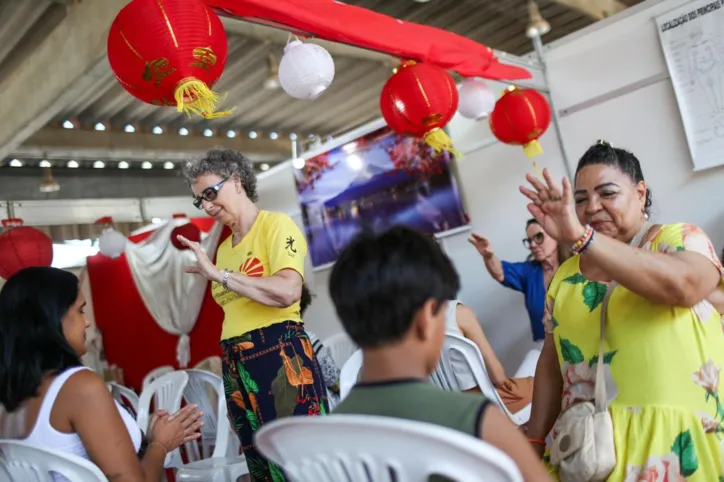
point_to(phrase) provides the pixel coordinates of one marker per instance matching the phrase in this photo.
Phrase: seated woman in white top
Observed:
(516, 393)
(48, 399)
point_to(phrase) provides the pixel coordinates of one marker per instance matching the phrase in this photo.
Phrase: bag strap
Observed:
(601, 399)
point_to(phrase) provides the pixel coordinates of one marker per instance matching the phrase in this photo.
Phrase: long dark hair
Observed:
(33, 303)
(563, 252)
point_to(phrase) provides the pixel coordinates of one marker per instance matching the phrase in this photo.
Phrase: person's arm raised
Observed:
(491, 260)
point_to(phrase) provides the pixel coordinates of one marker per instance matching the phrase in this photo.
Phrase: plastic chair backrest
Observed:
(341, 347)
(154, 374)
(124, 395)
(216, 423)
(350, 373)
(359, 448)
(28, 463)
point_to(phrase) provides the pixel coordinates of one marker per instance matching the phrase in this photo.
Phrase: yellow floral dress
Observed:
(662, 368)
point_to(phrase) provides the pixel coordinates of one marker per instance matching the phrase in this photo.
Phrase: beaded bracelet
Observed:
(582, 243)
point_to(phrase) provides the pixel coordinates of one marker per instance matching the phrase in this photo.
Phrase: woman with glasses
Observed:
(530, 277)
(269, 367)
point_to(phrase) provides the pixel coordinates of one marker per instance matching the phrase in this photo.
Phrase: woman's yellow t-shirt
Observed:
(274, 243)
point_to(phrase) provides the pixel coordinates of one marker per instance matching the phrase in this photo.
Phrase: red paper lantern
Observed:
(169, 53)
(419, 100)
(521, 117)
(188, 231)
(22, 247)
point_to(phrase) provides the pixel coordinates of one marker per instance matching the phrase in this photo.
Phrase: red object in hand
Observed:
(521, 117)
(22, 247)
(189, 231)
(419, 100)
(169, 53)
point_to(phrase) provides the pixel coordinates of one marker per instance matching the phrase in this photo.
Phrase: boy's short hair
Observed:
(381, 280)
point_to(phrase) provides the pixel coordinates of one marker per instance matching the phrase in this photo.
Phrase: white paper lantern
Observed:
(477, 100)
(112, 243)
(306, 70)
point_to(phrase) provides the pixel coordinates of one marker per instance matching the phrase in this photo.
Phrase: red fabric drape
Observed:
(352, 25)
(131, 338)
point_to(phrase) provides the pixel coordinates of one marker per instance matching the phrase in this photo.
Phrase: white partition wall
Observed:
(611, 81)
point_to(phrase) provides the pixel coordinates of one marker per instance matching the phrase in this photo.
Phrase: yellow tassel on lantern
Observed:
(194, 97)
(532, 149)
(440, 141)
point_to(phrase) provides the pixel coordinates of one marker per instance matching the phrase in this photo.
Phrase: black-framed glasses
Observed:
(209, 194)
(537, 238)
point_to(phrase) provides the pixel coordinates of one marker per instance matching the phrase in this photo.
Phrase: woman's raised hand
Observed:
(482, 244)
(552, 207)
(204, 266)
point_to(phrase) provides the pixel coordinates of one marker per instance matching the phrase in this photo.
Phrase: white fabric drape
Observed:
(172, 297)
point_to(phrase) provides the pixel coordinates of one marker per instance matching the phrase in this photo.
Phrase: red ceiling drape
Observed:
(131, 338)
(352, 25)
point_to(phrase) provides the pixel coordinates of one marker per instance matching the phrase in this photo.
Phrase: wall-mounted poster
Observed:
(692, 38)
(373, 181)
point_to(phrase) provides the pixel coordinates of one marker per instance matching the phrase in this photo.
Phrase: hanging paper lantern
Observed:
(111, 243)
(169, 53)
(476, 99)
(189, 231)
(520, 117)
(306, 70)
(419, 100)
(22, 247)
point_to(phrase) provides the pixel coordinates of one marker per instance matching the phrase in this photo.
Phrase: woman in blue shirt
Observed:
(531, 277)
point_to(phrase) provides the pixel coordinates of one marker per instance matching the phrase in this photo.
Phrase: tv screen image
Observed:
(376, 181)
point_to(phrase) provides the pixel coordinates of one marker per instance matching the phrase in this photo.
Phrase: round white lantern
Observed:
(112, 243)
(306, 70)
(476, 99)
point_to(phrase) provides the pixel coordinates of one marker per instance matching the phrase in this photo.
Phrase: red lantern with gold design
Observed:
(521, 117)
(419, 100)
(169, 53)
(23, 247)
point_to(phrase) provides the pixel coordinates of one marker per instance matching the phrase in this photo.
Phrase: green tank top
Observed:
(419, 401)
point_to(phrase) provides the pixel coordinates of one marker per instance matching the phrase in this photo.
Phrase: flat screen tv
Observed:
(374, 180)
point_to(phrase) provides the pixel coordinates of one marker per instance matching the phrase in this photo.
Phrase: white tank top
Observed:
(460, 367)
(43, 433)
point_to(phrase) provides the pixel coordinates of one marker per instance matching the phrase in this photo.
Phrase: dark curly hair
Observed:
(604, 153)
(224, 163)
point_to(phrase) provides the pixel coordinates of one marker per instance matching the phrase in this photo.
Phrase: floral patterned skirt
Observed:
(270, 373)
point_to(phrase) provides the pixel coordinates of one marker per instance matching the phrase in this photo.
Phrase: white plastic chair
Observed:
(529, 364)
(341, 347)
(359, 448)
(167, 393)
(349, 374)
(122, 394)
(222, 466)
(154, 374)
(28, 463)
(444, 376)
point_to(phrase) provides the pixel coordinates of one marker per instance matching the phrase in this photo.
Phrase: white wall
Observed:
(590, 69)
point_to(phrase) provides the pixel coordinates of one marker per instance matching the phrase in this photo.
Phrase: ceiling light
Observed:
(68, 125)
(129, 128)
(183, 131)
(298, 163)
(293, 136)
(16, 163)
(273, 136)
(123, 165)
(537, 25)
(44, 163)
(72, 164)
(253, 135)
(230, 134)
(146, 165)
(157, 130)
(264, 167)
(168, 165)
(208, 133)
(272, 79)
(99, 164)
(99, 127)
(49, 184)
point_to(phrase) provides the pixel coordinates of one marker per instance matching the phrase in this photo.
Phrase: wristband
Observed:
(225, 279)
(536, 441)
(582, 243)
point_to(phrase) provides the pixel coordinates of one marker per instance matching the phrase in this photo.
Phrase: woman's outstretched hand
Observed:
(552, 207)
(204, 266)
(483, 245)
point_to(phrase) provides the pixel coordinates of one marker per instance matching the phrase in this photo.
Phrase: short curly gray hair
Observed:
(224, 163)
